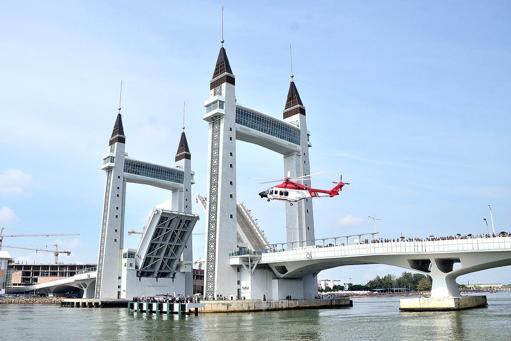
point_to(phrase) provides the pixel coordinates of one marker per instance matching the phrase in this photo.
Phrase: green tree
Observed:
(424, 284)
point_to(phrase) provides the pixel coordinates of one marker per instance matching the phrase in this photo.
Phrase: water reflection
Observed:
(444, 325)
(369, 319)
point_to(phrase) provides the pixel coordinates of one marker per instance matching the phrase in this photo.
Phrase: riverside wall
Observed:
(260, 305)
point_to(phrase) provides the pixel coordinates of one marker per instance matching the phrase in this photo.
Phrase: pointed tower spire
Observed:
(183, 152)
(118, 131)
(223, 72)
(222, 64)
(294, 103)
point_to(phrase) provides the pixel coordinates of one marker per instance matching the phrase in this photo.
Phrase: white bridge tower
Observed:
(289, 137)
(163, 261)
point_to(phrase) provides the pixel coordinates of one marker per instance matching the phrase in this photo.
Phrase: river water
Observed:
(369, 319)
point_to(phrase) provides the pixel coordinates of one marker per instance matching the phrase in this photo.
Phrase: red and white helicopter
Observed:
(293, 191)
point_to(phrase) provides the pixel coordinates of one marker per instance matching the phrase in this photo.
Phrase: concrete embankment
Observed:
(30, 300)
(439, 304)
(260, 305)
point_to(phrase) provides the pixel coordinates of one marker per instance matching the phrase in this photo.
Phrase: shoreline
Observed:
(333, 295)
(31, 300)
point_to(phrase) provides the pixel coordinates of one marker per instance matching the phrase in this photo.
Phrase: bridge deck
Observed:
(482, 244)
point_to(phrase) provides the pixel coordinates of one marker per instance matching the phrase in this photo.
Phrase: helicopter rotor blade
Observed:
(270, 182)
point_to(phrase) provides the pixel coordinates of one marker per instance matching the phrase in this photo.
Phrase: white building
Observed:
(5, 257)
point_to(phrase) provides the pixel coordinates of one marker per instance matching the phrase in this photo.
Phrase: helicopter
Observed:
(292, 191)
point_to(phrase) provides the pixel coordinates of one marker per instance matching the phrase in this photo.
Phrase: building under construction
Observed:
(30, 274)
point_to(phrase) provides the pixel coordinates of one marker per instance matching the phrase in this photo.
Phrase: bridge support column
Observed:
(310, 286)
(89, 289)
(445, 292)
(444, 286)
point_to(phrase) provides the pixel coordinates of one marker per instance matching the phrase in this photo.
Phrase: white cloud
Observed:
(6, 215)
(351, 221)
(14, 182)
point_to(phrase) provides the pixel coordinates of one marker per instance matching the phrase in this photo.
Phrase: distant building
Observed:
(484, 286)
(198, 281)
(329, 283)
(323, 284)
(5, 257)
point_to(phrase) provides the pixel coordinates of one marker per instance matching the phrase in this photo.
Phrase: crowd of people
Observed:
(276, 248)
(434, 238)
(168, 298)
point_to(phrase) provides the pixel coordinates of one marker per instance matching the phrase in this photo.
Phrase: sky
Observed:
(409, 100)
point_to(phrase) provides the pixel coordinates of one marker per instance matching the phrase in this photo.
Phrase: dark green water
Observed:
(369, 319)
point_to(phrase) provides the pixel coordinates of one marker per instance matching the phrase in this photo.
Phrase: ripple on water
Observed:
(369, 319)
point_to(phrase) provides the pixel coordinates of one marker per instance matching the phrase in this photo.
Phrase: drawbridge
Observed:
(248, 230)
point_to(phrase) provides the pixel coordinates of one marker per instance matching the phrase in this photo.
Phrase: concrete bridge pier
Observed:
(444, 279)
(445, 293)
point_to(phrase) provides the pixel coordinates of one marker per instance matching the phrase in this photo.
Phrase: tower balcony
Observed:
(108, 162)
(215, 108)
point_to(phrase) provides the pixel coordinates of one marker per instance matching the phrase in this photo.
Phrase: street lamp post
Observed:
(491, 218)
(374, 223)
(487, 227)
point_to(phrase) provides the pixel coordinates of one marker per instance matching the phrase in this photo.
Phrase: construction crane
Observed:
(199, 263)
(55, 252)
(2, 236)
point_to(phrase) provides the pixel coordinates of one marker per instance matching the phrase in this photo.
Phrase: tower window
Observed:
(230, 165)
(230, 128)
(116, 216)
(230, 195)
(230, 138)
(230, 154)
(230, 183)
(115, 240)
(117, 195)
(230, 216)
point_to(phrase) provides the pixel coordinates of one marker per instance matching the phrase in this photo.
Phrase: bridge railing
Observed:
(352, 239)
(85, 270)
(401, 245)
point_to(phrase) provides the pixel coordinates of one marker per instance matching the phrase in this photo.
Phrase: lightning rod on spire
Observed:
(222, 41)
(120, 98)
(291, 61)
(184, 112)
